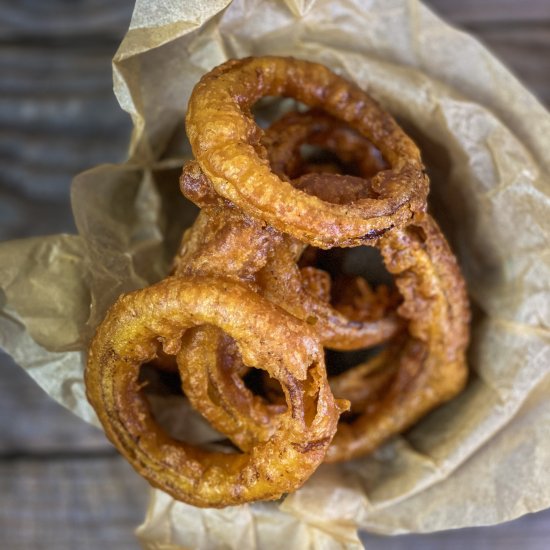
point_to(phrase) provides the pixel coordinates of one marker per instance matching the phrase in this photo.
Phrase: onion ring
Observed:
(281, 282)
(430, 367)
(415, 372)
(213, 382)
(223, 239)
(284, 138)
(227, 144)
(267, 338)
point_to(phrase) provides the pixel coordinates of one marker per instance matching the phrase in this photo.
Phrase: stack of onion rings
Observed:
(246, 293)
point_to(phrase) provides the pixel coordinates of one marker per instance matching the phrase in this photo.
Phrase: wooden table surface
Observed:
(62, 486)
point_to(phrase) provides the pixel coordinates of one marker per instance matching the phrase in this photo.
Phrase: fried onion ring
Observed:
(417, 371)
(224, 239)
(282, 282)
(430, 367)
(227, 144)
(267, 338)
(245, 293)
(209, 365)
(357, 155)
(244, 249)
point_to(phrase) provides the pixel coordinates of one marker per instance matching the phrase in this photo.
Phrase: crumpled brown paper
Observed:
(479, 460)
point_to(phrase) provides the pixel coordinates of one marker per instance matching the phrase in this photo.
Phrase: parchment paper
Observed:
(485, 457)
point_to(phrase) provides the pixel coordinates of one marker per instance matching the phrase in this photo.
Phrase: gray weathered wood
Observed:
(491, 11)
(32, 424)
(66, 504)
(96, 503)
(58, 116)
(59, 18)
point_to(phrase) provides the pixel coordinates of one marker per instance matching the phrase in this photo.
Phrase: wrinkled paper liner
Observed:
(479, 460)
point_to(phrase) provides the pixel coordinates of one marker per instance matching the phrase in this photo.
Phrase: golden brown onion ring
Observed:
(227, 144)
(211, 370)
(225, 240)
(430, 368)
(281, 282)
(417, 371)
(356, 154)
(267, 338)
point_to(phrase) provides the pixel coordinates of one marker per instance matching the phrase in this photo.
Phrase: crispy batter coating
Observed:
(364, 384)
(227, 143)
(281, 282)
(224, 239)
(429, 368)
(267, 338)
(245, 293)
(390, 391)
(209, 364)
(355, 153)
(418, 370)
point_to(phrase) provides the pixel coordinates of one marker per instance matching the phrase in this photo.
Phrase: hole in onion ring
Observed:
(310, 399)
(265, 387)
(340, 361)
(172, 411)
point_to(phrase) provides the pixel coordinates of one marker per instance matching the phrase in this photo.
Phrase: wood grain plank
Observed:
(491, 11)
(32, 423)
(97, 503)
(48, 217)
(59, 18)
(58, 116)
(68, 504)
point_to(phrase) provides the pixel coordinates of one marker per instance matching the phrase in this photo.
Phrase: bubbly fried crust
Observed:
(223, 239)
(364, 384)
(239, 298)
(285, 137)
(227, 143)
(371, 386)
(209, 365)
(267, 338)
(416, 372)
(429, 368)
(281, 281)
